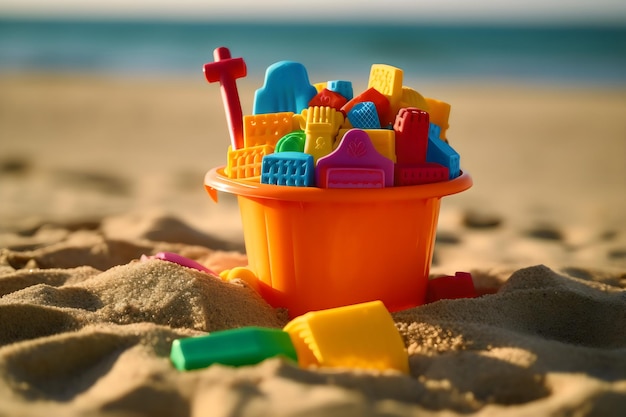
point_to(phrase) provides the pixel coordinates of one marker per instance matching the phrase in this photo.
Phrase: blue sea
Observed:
(558, 54)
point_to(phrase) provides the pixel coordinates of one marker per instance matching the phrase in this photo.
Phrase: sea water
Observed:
(435, 52)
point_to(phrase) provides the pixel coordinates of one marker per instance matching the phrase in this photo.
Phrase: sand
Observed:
(95, 172)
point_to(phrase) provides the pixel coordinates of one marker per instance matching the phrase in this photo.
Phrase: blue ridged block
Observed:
(434, 131)
(295, 169)
(440, 152)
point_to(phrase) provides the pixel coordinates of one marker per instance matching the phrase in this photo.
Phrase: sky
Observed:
(494, 11)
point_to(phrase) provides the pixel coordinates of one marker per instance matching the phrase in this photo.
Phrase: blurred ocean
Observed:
(530, 54)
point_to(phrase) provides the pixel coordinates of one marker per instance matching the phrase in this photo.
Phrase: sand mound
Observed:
(86, 328)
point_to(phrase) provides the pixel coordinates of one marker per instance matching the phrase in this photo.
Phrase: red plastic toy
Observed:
(329, 99)
(383, 108)
(415, 174)
(411, 127)
(226, 70)
(460, 285)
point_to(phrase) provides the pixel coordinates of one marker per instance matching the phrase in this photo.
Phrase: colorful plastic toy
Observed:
(311, 248)
(439, 112)
(434, 131)
(411, 98)
(411, 127)
(319, 86)
(246, 162)
(354, 164)
(226, 70)
(383, 140)
(242, 273)
(460, 285)
(236, 347)
(266, 129)
(295, 169)
(286, 89)
(415, 174)
(327, 98)
(357, 336)
(342, 87)
(440, 152)
(320, 125)
(180, 260)
(364, 116)
(380, 101)
(388, 81)
(291, 142)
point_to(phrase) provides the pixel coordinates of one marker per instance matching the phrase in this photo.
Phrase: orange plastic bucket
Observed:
(314, 248)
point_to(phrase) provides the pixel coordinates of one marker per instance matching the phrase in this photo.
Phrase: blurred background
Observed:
(104, 107)
(536, 41)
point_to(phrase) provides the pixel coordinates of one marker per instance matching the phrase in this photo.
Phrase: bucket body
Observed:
(315, 249)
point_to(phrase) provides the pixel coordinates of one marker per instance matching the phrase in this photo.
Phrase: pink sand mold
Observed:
(286, 89)
(354, 164)
(226, 70)
(180, 260)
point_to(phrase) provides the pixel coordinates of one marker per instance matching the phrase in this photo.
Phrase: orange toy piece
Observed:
(381, 102)
(267, 128)
(439, 112)
(246, 162)
(360, 336)
(411, 98)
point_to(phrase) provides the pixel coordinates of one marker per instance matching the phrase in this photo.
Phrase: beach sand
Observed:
(95, 172)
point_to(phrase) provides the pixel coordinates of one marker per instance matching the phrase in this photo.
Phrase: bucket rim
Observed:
(215, 180)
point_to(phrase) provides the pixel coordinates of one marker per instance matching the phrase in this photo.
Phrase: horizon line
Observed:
(278, 19)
